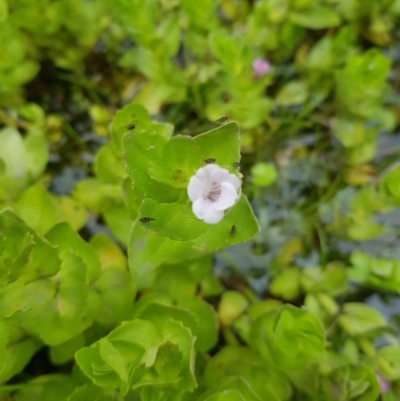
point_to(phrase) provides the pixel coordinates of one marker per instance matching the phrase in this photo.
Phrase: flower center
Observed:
(213, 192)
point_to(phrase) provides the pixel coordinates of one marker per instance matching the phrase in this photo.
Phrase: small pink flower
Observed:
(212, 190)
(260, 67)
(383, 383)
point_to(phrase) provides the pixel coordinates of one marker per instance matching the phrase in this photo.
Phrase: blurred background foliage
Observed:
(314, 87)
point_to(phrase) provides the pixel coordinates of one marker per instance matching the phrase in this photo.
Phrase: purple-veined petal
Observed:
(232, 179)
(196, 188)
(227, 198)
(217, 176)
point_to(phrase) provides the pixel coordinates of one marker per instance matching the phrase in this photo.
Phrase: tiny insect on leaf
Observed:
(221, 120)
(130, 127)
(146, 219)
(210, 160)
(233, 231)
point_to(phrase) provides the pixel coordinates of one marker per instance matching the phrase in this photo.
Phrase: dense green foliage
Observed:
(111, 289)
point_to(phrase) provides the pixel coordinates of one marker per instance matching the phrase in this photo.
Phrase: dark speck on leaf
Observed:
(210, 161)
(221, 120)
(233, 231)
(130, 127)
(146, 219)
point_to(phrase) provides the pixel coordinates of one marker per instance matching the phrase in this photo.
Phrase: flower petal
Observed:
(204, 210)
(201, 173)
(227, 198)
(218, 175)
(234, 180)
(204, 172)
(210, 167)
(214, 216)
(196, 188)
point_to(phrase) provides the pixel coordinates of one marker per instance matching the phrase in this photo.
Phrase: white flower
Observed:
(212, 190)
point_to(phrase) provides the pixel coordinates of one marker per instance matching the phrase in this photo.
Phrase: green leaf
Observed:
(239, 387)
(201, 15)
(93, 393)
(193, 313)
(231, 306)
(108, 165)
(4, 337)
(133, 198)
(295, 92)
(117, 217)
(175, 333)
(62, 353)
(109, 253)
(46, 388)
(90, 362)
(116, 361)
(177, 281)
(391, 354)
(72, 309)
(361, 320)
(65, 238)
(37, 152)
(360, 229)
(20, 354)
(286, 284)
(391, 181)
(117, 292)
(130, 115)
(144, 349)
(288, 338)
(143, 261)
(226, 395)
(361, 84)
(33, 113)
(315, 17)
(356, 382)
(3, 11)
(23, 252)
(352, 133)
(168, 361)
(97, 195)
(135, 118)
(246, 363)
(149, 298)
(38, 208)
(20, 297)
(238, 225)
(331, 280)
(71, 211)
(263, 174)
(228, 51)
(173, 220)
(15, 351)
(183, 158)
(13, 153)
(221, 144)
(143, 154)
(143, 23)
